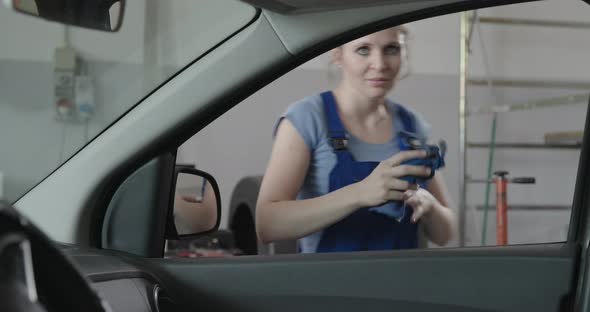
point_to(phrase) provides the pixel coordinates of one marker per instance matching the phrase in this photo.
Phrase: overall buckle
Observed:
(339, 143)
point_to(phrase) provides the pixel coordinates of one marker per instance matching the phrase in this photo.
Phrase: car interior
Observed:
(91, 234)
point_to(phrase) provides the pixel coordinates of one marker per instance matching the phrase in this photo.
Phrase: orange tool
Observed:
(501, 182)
(502, 203)
(501, 208)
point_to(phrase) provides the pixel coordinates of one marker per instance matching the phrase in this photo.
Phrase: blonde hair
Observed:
(405, 68)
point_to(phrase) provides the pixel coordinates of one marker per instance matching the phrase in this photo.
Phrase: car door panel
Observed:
(516, 278)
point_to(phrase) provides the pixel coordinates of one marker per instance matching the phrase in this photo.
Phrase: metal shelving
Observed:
(524, 83)
(468, 22)
(550, 102)
(517, 145)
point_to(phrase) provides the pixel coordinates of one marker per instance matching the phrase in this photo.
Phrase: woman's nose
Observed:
(379, 61)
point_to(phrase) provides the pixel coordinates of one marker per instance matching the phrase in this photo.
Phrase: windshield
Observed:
(61, 86)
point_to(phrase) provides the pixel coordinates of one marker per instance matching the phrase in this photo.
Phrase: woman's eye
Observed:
(392, 50)
(363, 51)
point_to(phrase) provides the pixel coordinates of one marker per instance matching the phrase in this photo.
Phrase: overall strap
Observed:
(336, 130)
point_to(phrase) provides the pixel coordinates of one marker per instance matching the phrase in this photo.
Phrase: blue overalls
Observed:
(365, 229)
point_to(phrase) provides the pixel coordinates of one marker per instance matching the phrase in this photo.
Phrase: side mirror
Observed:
(106, 15)
(195, 206)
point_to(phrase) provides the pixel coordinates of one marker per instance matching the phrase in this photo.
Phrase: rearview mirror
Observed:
(195, 207)
(106, 15)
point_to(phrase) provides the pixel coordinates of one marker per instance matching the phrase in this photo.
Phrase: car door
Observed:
(536, 277)
(540, 277)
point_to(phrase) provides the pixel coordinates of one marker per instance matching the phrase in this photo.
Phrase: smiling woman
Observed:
(336, 176)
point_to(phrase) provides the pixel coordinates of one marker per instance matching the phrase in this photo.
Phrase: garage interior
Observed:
(518, 64)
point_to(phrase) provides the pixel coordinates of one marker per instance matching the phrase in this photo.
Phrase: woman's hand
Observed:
(421, 201)
(385, 183)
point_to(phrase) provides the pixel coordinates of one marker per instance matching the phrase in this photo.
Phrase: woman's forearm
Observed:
(439, 224)
(293, 219)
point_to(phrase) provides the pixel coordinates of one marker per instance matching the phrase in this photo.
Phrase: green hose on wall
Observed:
(488, 184)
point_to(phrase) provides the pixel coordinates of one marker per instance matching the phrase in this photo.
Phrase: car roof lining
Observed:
(307, 6)
(300, 32)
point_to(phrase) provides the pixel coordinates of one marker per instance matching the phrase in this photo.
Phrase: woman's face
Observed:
(370, 64)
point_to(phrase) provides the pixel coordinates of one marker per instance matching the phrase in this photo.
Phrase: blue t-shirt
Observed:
(308, 117)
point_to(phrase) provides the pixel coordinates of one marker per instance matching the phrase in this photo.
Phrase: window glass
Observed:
(62, 86)
(526, 69)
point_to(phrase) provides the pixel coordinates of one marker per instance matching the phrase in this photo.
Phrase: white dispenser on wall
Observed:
(73, 87)
(64, 81)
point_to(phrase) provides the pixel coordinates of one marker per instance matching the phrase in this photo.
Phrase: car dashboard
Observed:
(121, 280)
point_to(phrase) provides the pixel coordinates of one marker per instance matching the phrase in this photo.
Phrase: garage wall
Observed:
(39, 142)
